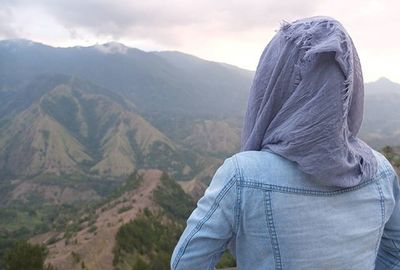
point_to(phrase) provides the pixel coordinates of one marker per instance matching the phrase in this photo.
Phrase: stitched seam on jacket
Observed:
(382, 215)
(394, 265)
(300, 191)
(238, 196)
(271, 229)
(208, 215)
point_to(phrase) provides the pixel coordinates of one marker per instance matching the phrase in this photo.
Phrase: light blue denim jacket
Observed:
(270, 215)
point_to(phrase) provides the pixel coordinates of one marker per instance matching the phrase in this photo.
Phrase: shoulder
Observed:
(270, 168)
(265, 159)
(265, 166)
(385, 168)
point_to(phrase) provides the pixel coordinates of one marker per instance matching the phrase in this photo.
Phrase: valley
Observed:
(101, 145)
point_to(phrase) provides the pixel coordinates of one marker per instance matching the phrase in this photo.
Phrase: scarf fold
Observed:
(306, 102)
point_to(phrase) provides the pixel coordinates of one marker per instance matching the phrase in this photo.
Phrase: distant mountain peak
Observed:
(387, 81)
(383, 79)
(112, 48)
(384, 85)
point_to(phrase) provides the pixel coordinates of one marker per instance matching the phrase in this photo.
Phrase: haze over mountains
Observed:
(170, 82)
(107, 109)
(381, 125)
(76, 122)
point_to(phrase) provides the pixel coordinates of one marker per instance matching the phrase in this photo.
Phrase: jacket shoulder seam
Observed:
(301, 191)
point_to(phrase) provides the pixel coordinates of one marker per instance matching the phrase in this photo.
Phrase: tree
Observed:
(26, 256)
(140, 264)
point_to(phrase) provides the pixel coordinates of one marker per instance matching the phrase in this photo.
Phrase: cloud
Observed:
(162, 20)
(233, 31)
(7, 28)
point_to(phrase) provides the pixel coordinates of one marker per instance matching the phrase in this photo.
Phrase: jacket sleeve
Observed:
(211, 225)
(389, 250)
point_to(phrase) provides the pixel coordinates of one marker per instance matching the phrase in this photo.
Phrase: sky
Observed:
(233, 32)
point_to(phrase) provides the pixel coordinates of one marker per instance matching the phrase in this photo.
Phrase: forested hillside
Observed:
(101, 145)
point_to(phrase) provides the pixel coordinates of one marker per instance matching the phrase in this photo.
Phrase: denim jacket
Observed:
(270, 215)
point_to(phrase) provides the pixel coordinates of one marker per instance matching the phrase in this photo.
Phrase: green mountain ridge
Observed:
(75, 129)
(153, 80)
(76, 122)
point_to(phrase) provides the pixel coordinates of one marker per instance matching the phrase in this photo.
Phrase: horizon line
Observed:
(382, 77)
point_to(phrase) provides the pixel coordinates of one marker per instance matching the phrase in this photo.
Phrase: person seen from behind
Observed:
(304, 192)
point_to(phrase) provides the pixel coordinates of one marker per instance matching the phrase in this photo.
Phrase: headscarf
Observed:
(306, 102)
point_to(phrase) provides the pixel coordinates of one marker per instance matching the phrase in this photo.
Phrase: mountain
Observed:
(108, 235)
(74, 120)
(99, 112)
(76, 124)
(169, 87)
(111, 234)
(214, 136)
(381, 124)
(157, 82)
(74, 128)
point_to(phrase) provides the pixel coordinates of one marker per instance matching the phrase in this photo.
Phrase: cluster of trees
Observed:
(175, 203)
(148, 241)
(26, 256)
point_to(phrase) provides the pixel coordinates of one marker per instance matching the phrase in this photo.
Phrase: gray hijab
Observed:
(306, 103)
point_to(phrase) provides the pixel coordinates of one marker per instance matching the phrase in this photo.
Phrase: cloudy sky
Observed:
(232, 31)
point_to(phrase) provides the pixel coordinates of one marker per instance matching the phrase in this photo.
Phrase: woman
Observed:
(304, 192)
